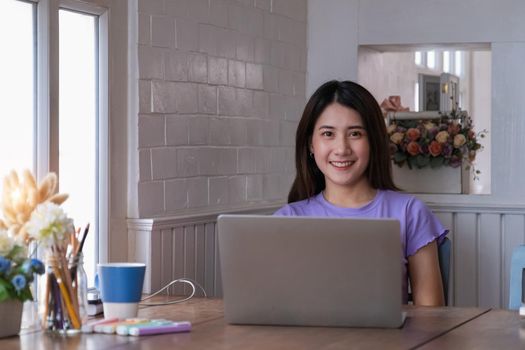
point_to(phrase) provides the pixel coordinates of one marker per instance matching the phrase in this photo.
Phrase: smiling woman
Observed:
(348, 174)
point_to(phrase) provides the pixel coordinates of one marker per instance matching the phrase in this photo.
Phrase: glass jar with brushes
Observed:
(63, 298)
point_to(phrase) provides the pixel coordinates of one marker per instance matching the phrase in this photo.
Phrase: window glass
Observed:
(17, 86)
(416, 97)
(78, 125)
(446, 61)
(458, 63)
(431, 59)
(417, 57)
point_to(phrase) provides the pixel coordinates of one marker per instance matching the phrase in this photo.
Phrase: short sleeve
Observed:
(423, 227)
(284, 211)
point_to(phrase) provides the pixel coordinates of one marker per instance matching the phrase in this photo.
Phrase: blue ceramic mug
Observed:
(120, 287)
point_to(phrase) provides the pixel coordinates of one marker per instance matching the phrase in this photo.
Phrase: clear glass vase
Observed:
(63, 295)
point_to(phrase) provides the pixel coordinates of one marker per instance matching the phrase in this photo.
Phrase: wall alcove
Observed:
(413, 73)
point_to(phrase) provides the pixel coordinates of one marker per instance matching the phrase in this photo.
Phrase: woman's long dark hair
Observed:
(309, 180)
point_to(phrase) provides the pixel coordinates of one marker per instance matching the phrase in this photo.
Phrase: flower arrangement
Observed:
(16, 269)
(31, 212)
(447, 142)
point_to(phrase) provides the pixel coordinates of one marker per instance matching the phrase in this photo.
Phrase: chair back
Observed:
(444, 264)
(516, 277)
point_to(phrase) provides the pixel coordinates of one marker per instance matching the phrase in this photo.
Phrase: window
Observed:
(54, 100)
(17, 86)
(431, 59)
(78, 161)
(458, 63)
(417, 58)
(446, 61)
(416, 97)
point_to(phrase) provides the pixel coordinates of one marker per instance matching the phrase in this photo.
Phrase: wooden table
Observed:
(425, 327)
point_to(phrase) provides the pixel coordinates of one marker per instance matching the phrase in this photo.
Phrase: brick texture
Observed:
(221, 89)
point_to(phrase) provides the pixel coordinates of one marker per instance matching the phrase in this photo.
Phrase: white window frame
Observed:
(47, 106)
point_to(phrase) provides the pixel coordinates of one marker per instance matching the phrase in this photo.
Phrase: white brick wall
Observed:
(221, 88)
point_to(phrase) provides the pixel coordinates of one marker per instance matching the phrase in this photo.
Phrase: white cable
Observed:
(192, 283)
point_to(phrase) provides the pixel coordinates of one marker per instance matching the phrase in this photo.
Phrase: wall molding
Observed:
(161, 223)
(483, 238)
(477, 208)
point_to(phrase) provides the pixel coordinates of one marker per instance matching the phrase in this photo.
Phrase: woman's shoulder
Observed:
(308, 206)
(407, 201)
(398, 197)
(403, 200)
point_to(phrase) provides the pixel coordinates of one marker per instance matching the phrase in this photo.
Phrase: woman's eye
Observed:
(327, 133)
(355, 134)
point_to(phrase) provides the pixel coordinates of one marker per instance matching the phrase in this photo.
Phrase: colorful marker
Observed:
(175, 327)
(111, 327)
(123, 329)
(89, 327)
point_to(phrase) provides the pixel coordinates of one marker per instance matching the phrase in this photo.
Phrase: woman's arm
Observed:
(425, 276)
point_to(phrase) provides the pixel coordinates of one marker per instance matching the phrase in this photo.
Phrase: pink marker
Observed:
(175, 327)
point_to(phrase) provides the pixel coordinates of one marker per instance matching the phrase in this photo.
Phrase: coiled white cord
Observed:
(191, 282)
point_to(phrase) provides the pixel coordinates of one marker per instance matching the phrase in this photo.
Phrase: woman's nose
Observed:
(343, 146)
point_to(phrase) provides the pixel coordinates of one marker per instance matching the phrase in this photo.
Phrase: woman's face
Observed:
(340, 146)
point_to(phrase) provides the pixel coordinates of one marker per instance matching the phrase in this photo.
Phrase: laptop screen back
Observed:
(310, 271)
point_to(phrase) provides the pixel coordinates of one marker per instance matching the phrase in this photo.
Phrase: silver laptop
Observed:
(307, 271)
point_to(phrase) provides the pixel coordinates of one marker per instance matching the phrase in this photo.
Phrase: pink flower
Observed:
(413, 134)
(435, 148)
(454, 128)
(442, 136)
(413, 148)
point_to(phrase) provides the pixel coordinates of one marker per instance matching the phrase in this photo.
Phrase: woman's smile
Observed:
(343, 165)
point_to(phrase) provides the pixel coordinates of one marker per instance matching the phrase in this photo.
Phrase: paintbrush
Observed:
(78, 251)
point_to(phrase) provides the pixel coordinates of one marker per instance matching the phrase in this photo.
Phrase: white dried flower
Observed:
(49, 225)
(6, 243)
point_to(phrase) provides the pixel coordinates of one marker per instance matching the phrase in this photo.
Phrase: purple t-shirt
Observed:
(419, 226)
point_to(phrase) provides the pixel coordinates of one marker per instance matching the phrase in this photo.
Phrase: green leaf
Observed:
(25, 294)
(411, 162)
(422, 161)
(14, 252)
(436, 162)
(6, 290)
(399, 157)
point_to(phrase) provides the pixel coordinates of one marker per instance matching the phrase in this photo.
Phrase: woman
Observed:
(344, 170)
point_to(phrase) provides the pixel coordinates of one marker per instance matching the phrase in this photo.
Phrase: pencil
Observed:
(46, 300)
(65, 295)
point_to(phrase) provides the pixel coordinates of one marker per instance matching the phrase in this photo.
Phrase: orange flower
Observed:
(435, 148)
(413, 148)
(413, 134)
